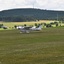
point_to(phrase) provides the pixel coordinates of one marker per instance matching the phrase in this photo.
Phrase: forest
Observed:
(30, 14)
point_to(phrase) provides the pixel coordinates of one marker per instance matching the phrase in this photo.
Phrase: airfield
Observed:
(38, 47)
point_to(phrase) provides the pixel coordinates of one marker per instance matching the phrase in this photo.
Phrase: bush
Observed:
(15, 26)
(25, 25)
(52, 23)
(48, 25)
(36, 24)
(1, 25)
(56, 24)
(4, 27)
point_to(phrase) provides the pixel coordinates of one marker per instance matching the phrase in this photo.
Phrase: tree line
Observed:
(20, 15)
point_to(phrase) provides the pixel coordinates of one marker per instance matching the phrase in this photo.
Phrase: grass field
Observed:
(11, 24)
(42, 47)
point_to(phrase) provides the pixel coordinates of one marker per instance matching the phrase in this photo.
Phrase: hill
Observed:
(29, 14)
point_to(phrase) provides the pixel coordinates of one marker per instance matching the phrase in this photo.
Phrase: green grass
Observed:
(42, 47)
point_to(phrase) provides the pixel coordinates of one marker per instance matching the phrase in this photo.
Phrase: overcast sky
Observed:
(39, 4)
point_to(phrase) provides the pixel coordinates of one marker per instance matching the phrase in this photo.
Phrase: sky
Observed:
(39, 4)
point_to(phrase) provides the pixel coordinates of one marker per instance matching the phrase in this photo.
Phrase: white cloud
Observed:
(51, 4)
(42, 4)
